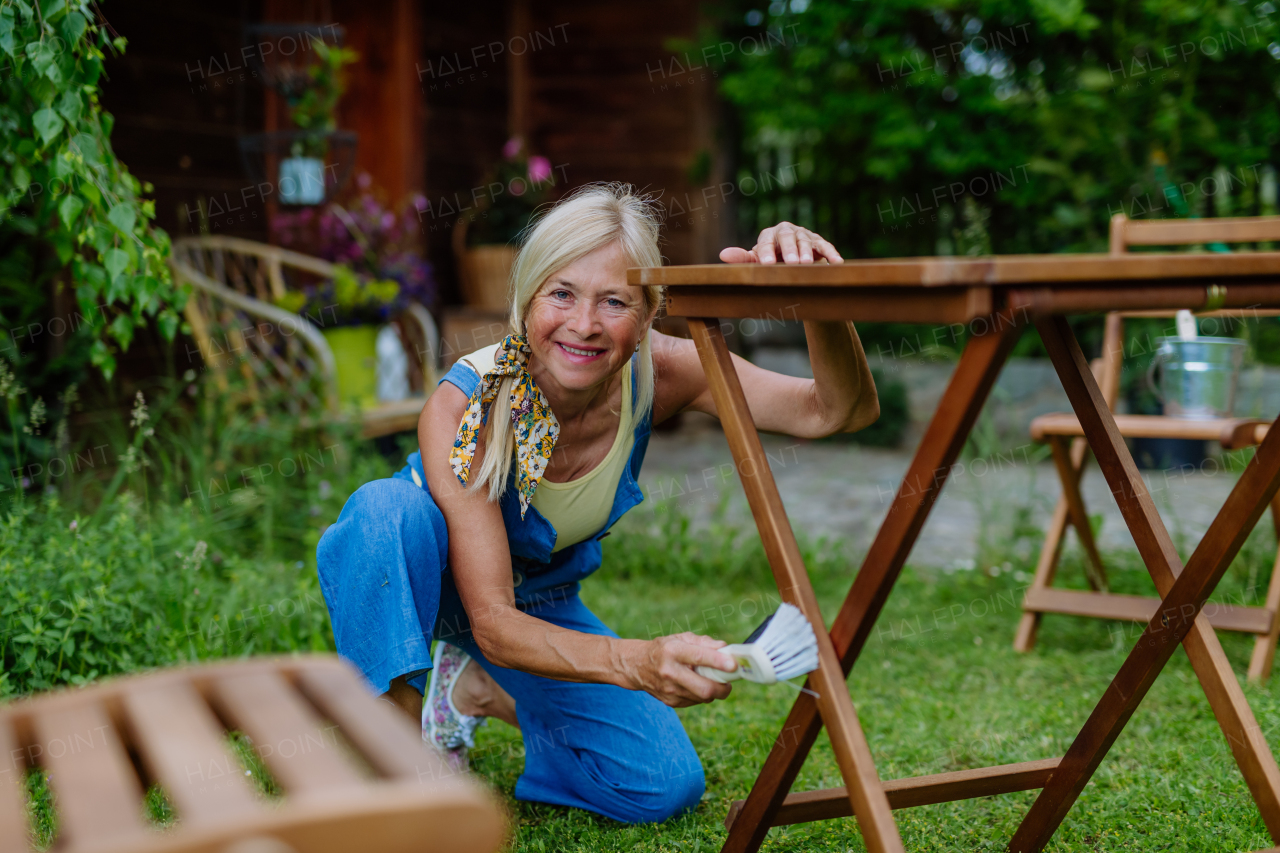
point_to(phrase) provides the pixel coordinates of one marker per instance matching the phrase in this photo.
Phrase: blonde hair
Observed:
(590, 218)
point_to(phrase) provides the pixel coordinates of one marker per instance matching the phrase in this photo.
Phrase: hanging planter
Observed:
(301, 167)
(307, 166)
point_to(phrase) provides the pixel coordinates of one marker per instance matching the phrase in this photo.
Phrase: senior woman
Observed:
(529, 453)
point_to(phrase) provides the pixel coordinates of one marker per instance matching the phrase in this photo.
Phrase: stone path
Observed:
(844, 490)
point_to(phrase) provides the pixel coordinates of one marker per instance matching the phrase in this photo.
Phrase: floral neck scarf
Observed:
(535, 424)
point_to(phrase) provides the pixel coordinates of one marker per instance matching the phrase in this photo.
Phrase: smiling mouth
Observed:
(578, 350)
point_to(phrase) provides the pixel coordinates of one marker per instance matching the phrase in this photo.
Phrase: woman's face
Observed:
(585, 321)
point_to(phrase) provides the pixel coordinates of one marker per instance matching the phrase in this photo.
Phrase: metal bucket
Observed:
(1198, 376)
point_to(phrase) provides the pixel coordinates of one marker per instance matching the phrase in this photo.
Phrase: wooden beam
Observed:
(853, 755)
(1173, 273)
(864, 304)
(1139, 608)
(913, 791)
(1181, 232)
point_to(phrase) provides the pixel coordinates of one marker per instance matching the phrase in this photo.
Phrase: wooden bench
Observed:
(354, 770)
(1064, 435)
(281, 355)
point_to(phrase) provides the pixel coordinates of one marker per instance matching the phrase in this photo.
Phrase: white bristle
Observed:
(789, 642)
(785, 648)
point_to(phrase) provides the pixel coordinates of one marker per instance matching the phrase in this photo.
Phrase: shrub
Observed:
(86, 598)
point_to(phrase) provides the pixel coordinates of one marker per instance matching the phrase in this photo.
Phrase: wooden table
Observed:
(993, 300)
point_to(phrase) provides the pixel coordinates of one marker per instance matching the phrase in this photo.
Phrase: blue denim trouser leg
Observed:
(617, 752)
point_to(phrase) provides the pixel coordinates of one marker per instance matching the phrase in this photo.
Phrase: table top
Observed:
(1134, 268)
(958, 290)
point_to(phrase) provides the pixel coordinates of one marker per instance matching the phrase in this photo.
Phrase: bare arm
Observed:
(841, 397)
(480, 559)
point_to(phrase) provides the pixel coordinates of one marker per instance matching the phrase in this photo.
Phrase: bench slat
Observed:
(298, 747)
(98, 795)
(15, 833)
(181, 743)
(383, 735)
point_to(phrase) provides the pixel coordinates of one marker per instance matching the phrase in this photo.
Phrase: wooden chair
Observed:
(281, 355)
(1064, 436)
(354, 770)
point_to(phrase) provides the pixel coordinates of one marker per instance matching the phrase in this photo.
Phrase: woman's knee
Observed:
(380, 515)
(678, 783)
(665, 776)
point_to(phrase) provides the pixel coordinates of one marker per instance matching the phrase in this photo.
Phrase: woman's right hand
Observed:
(663, 668)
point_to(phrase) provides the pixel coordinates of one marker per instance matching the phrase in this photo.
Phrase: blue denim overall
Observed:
(386, 579)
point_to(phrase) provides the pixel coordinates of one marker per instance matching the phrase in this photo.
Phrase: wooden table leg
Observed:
(957, 411)
(1179, 618)
(853, 755)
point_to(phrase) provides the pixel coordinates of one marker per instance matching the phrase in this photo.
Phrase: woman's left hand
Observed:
(786, 242)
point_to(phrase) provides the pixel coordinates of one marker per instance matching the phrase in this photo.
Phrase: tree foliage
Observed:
(874, 121)
(72, 210)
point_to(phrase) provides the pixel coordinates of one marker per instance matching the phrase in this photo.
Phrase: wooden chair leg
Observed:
(1264, 645)
(970, 385)
(853, 755)
(1179, 619)
(1069, 472)
(1050, 552)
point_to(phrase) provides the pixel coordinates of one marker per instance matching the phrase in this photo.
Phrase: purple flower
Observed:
(539, 169)
(513, 148)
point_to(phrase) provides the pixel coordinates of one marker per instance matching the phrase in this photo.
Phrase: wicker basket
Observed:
(483, 271)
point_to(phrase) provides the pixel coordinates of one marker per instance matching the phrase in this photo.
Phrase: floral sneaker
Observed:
(443, 725)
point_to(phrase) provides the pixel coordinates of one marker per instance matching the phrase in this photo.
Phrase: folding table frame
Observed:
(993, 299)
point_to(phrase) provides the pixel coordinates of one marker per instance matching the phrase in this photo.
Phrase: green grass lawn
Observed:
(930, 701)
(128, 590)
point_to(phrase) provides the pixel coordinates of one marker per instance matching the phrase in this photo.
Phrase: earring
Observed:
(637, 346)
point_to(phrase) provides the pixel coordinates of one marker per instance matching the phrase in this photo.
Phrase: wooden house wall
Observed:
(599, 90)
(609, 102)
(181, 94)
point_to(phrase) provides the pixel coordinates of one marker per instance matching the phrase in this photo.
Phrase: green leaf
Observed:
(123, 216)
(69, 209)
(69, 107)
(87, 147)
(115, 260)
(45, 60)
(102, 358)
(74, 27)
(6, 30)
(47, 124)
(52, 10)
(168, 322)
(90, 192)
(122, 330)
(63, 246)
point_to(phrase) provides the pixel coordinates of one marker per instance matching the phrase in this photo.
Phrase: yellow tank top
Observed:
(579, 508)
